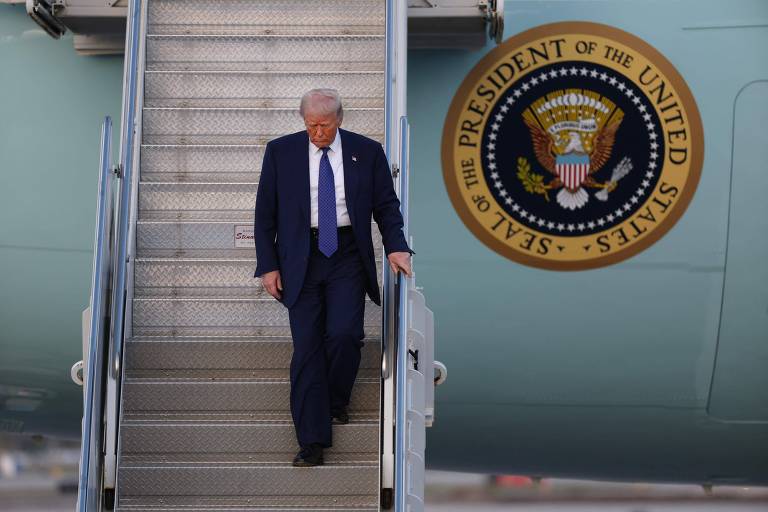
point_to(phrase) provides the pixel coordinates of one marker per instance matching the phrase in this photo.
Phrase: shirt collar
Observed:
(335, 145)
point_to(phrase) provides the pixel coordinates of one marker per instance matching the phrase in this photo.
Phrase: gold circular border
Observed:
(549, 30)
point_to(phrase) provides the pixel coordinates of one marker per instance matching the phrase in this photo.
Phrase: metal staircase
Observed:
(195, 393)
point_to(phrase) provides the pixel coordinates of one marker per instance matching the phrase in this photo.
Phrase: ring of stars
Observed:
(592, 224)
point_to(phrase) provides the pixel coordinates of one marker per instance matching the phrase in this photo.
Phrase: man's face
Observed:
(321, 127)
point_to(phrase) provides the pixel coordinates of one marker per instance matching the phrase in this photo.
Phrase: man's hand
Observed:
(400, 260)
(273, 284)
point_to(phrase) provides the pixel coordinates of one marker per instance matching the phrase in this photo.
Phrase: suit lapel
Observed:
(348, 151)
(302, 152)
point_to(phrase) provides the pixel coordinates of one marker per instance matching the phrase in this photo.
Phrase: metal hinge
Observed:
(57, 6)
(44, 12)
(117, 169)
(395, 171)
(494, 15)
(415, 355)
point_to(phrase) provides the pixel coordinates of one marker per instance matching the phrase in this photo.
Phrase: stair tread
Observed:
(171, 217)
(200, 259)
(245, 502)
(245, 508)
(194, 145)
(234, 419)
(225, 339)
(258, 459)
(264, 72)
(209, 299)
(217, 184)
(213, 376)
(296, 36)
(290, 110)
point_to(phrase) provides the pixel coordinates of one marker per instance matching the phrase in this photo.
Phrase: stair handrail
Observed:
(94, 377)
(401, 342)
(395, 142)
(127, 133)
(129, 127)
(387, 338)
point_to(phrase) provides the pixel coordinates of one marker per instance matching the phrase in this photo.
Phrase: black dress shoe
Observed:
(340, 416)
(311, 455)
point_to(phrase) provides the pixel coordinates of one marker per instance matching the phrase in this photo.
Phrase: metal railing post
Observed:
(89, 487)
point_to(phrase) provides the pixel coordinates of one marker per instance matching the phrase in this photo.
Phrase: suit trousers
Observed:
(327, 330)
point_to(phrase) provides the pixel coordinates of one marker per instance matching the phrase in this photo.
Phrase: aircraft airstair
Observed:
(187, 357)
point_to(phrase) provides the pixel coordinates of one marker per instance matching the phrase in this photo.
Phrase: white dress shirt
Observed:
(337, 164)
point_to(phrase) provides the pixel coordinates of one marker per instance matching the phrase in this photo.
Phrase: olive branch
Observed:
(533, 183)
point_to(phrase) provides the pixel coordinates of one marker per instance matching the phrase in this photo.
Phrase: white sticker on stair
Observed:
(244, 236)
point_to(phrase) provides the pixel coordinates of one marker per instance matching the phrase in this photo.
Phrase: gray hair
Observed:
(325, 100)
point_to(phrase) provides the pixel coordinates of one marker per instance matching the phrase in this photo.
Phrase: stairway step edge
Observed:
(257, 376)
(268, 36)
(278, 460)
(265, 109)
(226, 339)
(262, 72)
(225, 423)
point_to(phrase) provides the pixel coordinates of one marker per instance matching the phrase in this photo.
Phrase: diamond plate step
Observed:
(270, 16)
(294, 53)
(263, 433)
(201, 238)
(164, 313)
(197, 196)
(224, 353)
(349, 503)
(257, 88)
(243, 458)
(200, 277)
(218, 475)
(187, 163)
(250, 391)
(223, 199)
(163, 125)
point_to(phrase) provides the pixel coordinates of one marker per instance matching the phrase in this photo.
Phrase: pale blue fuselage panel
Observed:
(610, 367)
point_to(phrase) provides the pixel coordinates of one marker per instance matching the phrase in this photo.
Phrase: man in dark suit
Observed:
(312, 229)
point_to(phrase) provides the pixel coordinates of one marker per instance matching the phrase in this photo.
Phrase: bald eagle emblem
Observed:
(573, 132)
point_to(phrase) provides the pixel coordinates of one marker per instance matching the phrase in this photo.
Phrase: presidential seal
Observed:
(572, 146)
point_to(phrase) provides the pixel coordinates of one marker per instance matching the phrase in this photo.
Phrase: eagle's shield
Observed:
(572, 169)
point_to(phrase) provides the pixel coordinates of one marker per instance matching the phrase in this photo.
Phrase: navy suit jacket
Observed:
(282, 213)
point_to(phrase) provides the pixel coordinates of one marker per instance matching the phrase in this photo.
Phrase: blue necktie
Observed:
(326, 207)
